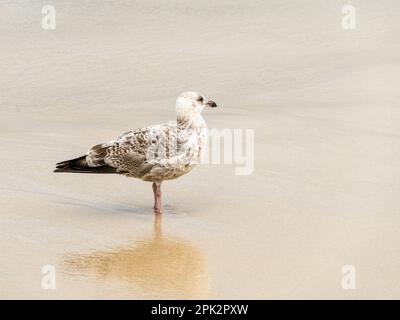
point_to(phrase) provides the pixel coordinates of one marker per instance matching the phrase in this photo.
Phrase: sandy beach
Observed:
(324, 106)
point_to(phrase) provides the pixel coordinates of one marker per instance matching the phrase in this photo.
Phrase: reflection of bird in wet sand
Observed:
(162, 267)
(155, 153)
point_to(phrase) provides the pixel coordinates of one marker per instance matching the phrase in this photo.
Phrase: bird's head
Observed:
(190, 104)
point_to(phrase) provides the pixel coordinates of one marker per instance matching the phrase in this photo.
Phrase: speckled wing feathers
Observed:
(136, 152)
(154, 153)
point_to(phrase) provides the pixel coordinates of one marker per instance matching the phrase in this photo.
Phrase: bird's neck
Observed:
(190, 121)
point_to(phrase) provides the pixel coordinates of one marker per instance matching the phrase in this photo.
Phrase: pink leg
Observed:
(157, 196)
(154, 193)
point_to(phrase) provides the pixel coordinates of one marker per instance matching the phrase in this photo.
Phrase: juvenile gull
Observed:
(155, 153)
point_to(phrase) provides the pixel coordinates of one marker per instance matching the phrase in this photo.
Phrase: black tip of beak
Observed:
(212, 104)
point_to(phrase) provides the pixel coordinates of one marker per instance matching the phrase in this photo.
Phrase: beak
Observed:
(211, 104)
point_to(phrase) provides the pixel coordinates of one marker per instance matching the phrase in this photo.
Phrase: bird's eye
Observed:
(200, 99)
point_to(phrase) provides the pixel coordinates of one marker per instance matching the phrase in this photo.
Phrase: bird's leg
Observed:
(154, 193)
(157, 196)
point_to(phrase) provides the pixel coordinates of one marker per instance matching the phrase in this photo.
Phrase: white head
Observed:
(190, 104)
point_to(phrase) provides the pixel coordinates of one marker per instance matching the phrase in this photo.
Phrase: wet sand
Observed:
(324, 104)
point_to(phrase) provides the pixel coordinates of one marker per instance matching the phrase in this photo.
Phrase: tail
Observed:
(79, 165)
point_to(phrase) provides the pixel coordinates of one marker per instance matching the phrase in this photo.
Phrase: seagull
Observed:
(154, 153)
